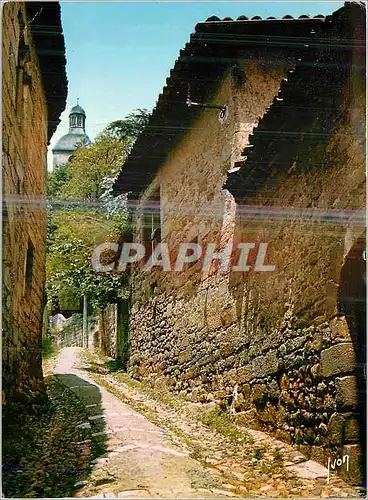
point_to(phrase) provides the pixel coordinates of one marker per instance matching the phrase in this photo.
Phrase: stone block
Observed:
(294, 344)
(291, 361)
(346, 392)
(265, 365)
(226, 349)
(259, 395)
(317, 342)
(340, 329)
(343, 428)
(190, 374)
(308, 470)
(339, 358)
(355, 472)
(248, 419)
(336, 429)
(220, 395)
(244, 374)
(352, 430)
(316, 371)
(269, 415)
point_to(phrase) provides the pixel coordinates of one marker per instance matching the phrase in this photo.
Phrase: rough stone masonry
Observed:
(34, 94)
(283, 351)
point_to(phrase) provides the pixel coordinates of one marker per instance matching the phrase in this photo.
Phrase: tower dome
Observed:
(77, 110)
(76, 137)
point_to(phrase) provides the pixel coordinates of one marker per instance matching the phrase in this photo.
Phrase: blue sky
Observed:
(119, 54)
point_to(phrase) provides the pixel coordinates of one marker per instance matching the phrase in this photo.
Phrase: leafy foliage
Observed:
(83, 214)
(91, 164)
(69, 270)
(57, 179)
(129, 128)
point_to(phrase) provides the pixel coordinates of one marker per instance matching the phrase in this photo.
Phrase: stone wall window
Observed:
(28, 275)
(151, 229)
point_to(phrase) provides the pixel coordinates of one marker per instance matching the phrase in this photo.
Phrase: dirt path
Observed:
(154, 445)
(141, 459)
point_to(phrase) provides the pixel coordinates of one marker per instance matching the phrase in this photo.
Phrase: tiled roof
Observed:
(71, 141)
(214, 47)
(258, 18)
(77, 110)
(302, 116)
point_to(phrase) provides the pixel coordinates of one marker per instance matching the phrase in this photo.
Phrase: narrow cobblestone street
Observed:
(157, 446)
(141, 459)
(184, 253)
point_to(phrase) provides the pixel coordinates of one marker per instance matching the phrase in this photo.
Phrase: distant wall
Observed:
(70, 334)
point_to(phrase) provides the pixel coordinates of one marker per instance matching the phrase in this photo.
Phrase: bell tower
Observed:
(77, 119)
(76, 137)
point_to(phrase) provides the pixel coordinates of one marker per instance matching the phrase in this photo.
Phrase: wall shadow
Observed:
(90, 396)
(49, 448)
(353, 305)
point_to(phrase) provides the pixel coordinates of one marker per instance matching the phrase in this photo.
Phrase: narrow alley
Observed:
(156, 445)
(141, 459)
(184, 249)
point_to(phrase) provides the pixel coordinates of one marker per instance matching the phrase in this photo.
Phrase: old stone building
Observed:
(68, 143)
(277, 167)
(34, 89)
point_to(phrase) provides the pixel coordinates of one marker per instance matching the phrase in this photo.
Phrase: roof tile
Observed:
(213, 19)
(224, 42)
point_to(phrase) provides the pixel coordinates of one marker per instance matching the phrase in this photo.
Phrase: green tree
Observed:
(91, 164)
(83, 214)
(70, 275)
(56, 180)
(129, 128)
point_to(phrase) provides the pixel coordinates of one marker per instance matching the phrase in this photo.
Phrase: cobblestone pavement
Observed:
(141, 459)
(158, 446)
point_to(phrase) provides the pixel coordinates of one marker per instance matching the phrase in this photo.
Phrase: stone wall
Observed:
(108, 331)
(24, 139)
(277, 349)
(71, 332)
(113, 325)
